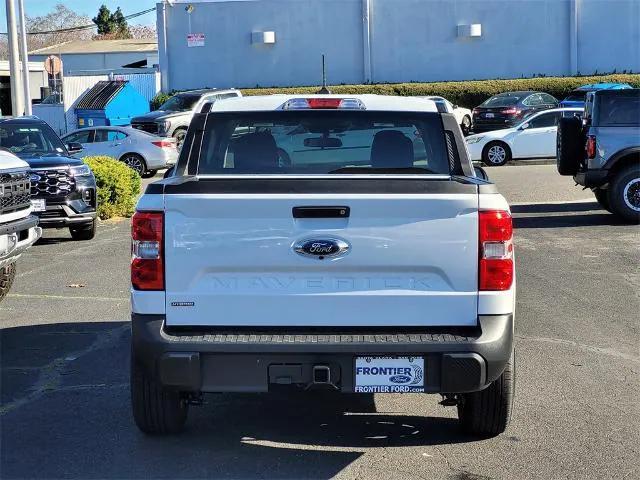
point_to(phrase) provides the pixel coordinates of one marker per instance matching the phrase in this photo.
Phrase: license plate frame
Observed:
(389, 374)
(39, 204)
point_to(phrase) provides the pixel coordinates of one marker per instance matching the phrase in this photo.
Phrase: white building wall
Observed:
(410, 40)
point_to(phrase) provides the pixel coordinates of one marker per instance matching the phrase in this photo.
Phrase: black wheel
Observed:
(7, 275)
(602, 197)
(624, 194)
(156, 410)
(487, 413)
(134, 162)
(496, 154)
(465, 125)
(569, 145)
(86, 232)
(149, 174)
(180, 134)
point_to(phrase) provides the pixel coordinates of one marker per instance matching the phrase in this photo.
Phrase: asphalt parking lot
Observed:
(65, 395)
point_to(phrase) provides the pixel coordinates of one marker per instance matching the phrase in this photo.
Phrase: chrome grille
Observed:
(14, 191)
(51, 183)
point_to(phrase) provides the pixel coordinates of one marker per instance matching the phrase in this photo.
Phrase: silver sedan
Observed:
(142, 151)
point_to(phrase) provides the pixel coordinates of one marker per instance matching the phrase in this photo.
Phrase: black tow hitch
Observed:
(449, 400)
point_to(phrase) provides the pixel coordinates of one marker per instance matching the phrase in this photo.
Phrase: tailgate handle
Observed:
(321, 212)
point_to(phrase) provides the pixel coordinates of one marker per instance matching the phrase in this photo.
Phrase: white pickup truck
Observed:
(18, 228)
(371, 258)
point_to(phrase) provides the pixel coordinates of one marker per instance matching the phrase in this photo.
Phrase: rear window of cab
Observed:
(323, 142)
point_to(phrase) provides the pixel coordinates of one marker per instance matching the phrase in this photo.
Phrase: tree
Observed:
(59, 18)
(111, 25)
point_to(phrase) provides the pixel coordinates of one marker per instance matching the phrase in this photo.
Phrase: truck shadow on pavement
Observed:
(65, 413)
(559, 215)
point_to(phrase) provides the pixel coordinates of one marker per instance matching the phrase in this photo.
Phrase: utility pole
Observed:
(25, 60)
(14, 59)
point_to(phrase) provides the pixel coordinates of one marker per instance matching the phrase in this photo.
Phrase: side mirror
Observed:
(169, 172)
(74, 147)
(481, 173)
(524, 126)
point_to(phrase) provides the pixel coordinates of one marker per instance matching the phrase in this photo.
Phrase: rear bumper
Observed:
(238, 360)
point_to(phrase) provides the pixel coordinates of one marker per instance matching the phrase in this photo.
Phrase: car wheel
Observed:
(7, 275)
(149, 174)
(180, 134)
(84, 233)
(466, 125)
(135, 162)
(624, 194)
(156, 409)
(487, 412)
(602, 197)
(496, 154)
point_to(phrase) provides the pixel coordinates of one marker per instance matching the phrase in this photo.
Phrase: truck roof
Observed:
(261, 103)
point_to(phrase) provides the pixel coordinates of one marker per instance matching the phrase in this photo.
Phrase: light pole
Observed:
(14, 67)
(25, 60)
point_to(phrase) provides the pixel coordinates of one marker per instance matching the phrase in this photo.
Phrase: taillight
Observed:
(164, 144)
(591, 146)
(475, 111)
(511, 111)
(496, 250)
(147, 262)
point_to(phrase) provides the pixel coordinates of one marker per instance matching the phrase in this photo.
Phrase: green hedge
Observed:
(160, 98)
(468, 93)
(118, 186)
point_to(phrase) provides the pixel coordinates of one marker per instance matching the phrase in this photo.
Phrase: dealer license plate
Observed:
(39, 204)
(389, 374)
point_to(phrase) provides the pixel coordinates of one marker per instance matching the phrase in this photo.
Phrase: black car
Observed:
(63, 188)
(508, 109)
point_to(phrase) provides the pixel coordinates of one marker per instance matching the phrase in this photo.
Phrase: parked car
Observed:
(63, 188)
(508, 109)
(250, 275)
(142, 151)
(463, 115)
(18, 227)
(174, 116)
(603, 151)
(577, 97)
(534, 137)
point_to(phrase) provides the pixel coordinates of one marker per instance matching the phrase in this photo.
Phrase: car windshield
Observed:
(502, 101)
(576, 96)
(323, 142)
(25, 139)
(179, 103)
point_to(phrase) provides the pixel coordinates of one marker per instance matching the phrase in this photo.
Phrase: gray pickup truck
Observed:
(173, 117)
(602, 151)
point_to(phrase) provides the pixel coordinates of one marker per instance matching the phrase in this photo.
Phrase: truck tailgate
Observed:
(412, 261)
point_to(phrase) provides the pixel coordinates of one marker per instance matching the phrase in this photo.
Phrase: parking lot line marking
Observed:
(65, 297)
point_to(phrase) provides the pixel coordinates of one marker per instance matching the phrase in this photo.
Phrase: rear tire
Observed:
(624, 194)
(7, 276)
(569, 145)
(135, 162)
(84, 233)
(487, 412)
(156, 409)
(496, 154)
(602, 197)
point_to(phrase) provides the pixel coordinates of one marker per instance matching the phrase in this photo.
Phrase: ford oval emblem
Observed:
(321, 248)
(400, 379)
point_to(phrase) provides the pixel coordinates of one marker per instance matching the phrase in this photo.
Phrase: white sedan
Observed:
(142, 151)
(534, 137)
(463, 115)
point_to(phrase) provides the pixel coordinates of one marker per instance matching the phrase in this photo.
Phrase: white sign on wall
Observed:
(195, 40)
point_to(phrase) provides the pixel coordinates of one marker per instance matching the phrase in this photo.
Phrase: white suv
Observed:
(373, 259)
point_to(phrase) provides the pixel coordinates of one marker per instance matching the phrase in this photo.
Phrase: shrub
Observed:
(118, 186)
(468, 93)
(160, 98)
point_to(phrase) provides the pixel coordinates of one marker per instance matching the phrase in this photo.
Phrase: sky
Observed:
(36, 8)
